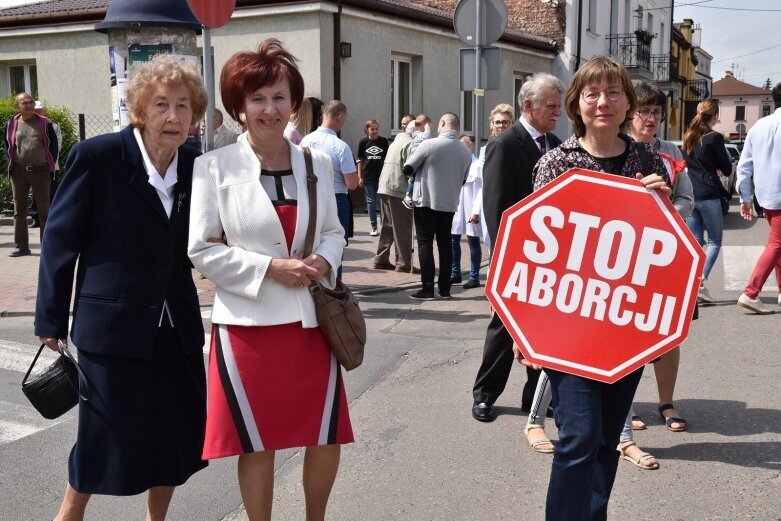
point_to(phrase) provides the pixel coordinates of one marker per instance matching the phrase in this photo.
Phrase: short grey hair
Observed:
(451, 120)
(532, 89)
(218, 115)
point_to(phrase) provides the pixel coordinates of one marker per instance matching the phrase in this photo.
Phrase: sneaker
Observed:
(445, 295)
(703, 295)
(422, 294)
(406, 269)
(374, 232)
(754, 304)
(472, 283)
(456, 280)
(779, 299)
(408, 202)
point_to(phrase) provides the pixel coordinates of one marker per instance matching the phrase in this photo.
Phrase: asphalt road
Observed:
(420, 456)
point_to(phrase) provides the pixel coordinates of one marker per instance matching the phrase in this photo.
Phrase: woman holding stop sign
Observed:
(591, 414)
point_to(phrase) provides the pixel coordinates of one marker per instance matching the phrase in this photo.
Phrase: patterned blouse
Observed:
(570, 154)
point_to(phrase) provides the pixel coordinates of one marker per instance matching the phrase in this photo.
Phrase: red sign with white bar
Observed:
(212, 13)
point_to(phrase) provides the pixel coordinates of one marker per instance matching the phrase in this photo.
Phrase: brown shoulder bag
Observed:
(338, 315)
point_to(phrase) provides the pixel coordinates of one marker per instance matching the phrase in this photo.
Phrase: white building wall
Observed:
(73, 68)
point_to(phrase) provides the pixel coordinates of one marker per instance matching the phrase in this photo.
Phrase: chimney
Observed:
(728, 74)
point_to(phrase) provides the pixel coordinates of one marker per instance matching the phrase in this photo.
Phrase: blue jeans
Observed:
(343, 211)
(707, 217)
(370, 191)
(475, 256)
(589, 416)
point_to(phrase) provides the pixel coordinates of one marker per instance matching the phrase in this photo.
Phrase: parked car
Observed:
(734, 156)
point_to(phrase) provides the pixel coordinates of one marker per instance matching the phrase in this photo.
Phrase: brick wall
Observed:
(531, 16)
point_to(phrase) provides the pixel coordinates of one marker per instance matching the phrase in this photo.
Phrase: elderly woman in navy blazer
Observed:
(273, 381)
(122, 212)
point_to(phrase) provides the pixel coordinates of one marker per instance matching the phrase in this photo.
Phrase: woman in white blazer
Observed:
(273, 381)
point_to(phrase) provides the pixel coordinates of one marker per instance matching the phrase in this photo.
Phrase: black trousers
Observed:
(430, 225)
(495, 369)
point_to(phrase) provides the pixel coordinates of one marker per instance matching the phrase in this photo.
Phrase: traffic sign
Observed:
(490, 69)
(212, 13)
(493, 21)
(595, 275)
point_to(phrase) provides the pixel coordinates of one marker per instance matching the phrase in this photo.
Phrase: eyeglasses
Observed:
(502, 123)
(592, 96)
(658, 114)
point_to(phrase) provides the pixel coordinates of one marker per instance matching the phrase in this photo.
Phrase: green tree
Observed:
(60, 115)
(768, 85)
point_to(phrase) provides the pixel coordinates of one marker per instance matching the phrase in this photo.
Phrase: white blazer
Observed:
(227, 197)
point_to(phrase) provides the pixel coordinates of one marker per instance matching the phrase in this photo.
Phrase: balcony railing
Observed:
(660, 67)
(695, 90)
(629, 51)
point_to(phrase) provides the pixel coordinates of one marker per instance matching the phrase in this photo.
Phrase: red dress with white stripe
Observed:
(273, 387)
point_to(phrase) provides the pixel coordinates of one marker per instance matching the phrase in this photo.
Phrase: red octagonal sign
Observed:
(594, 275)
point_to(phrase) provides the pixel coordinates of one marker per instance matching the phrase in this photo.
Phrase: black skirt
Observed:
(144, 424)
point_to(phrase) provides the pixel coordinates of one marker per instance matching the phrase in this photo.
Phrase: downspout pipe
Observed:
(580, 34)
(338, 51)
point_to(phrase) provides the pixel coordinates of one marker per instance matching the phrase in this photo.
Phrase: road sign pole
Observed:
(475, 97)
(208, 74)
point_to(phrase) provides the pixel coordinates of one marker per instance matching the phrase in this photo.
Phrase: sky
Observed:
(741, 35)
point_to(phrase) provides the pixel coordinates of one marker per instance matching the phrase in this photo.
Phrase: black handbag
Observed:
(338, 314)
(56, 390)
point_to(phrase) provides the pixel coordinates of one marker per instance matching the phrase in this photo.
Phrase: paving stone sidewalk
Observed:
(18, 276)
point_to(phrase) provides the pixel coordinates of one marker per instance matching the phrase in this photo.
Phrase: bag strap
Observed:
(65, 352)
(311, 188)
(33, 364)
(645, 167)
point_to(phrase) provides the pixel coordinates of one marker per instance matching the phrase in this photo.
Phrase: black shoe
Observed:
(455, 280)
(18, 252)
(444, 295)
(527, 409)
(483, 412)
(472, 283)
(423, 295)
(35, 224)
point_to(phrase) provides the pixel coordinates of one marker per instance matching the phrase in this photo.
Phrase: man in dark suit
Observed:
(507, 178)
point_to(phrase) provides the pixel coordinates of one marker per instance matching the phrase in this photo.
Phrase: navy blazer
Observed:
(131, 256)
(507, 174)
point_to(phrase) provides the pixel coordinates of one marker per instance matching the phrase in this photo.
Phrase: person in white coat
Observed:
(467, 221)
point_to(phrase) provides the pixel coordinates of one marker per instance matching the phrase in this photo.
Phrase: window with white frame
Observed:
(627, 16)
(23, 78)
(519, 78)
(592, 15)
(765, 110)
(401, 89)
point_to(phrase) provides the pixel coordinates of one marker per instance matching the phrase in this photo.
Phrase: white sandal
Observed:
(544, 445)
(640, 462)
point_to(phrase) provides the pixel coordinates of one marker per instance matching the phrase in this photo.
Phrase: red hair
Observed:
(246, 72)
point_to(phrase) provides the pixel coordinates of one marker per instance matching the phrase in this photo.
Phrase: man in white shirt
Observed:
(760, 162)
(342, 159)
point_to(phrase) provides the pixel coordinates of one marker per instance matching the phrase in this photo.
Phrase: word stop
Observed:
(585, 285)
